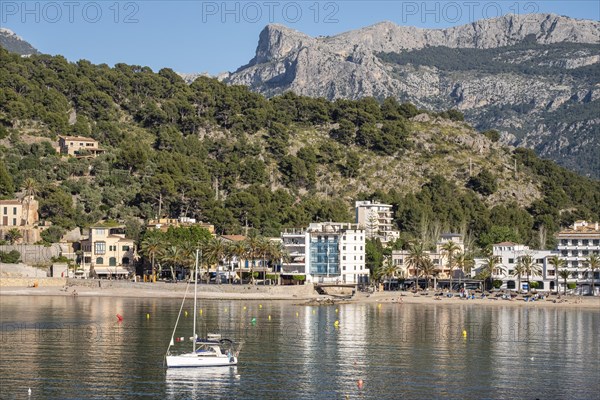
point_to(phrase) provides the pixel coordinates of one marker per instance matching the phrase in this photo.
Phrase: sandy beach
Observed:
(304, 294)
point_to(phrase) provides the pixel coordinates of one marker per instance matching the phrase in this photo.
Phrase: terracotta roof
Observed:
(11, 202)
(81, 138)
(234, 238)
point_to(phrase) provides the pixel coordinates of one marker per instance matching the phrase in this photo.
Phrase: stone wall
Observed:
(30, 282)
(32, 254)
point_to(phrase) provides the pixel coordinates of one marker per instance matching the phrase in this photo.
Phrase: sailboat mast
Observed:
(195, 297)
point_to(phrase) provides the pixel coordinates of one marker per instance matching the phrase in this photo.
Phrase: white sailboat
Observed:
(210, 352)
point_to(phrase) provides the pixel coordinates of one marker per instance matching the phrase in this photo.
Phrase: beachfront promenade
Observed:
(298, 293)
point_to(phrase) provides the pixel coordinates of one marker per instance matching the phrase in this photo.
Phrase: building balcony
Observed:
(293, 269)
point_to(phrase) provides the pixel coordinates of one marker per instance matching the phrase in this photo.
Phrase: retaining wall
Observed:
(29, 282)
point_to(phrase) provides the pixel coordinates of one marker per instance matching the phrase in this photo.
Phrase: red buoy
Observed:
(360, 383)
(119, 317)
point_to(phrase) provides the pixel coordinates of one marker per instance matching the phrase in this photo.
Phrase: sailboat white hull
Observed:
(191, 360)
(212, 352)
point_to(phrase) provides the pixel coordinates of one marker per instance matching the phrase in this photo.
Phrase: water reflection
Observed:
(200, 382)
(75, 348)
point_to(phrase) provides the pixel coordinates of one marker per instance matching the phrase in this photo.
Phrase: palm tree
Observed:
(464, 261)
(229, 256)
(151, 247)
(389, 271)
(188, 257)
(519, 271)
(378, 273)
(12, 235)
(530, 268)
(30, 186)
(240, 252)
(593, 263)
(276, 253)
(557, 263)
(253, 246)
(564, 273)
(490, 264)
(213, 253)
(449, 248)
(428, 269)
(263, 251)
(416, 258)
(173, 256)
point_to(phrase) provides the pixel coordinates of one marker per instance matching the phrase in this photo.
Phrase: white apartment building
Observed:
(294, 242)
(508, 254)
(376, 220)
(326, 252)
(575, 245)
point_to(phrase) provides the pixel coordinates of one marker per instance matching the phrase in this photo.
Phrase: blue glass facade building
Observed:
(324, 255)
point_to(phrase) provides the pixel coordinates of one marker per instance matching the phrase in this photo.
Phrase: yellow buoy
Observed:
(244, 307)
(379, 305)
(185, 313)
(336, 324)
(269, 317)
(336, 310)
(260, 306)
(147, 316)
(200, 311)
(226, 310)
(464, 333)
(314, 312)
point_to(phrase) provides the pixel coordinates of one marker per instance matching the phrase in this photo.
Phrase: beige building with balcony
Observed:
(79, 146)
(439, 258)
(376, 220)
(107, 253)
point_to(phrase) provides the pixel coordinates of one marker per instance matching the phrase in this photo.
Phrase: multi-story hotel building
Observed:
(376, 220)
(575, 245)
(326, 252)
(509, 254)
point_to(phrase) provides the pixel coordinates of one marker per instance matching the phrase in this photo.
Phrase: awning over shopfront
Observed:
(108, 271)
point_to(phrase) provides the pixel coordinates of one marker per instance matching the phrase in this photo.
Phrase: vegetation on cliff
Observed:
(232, 157)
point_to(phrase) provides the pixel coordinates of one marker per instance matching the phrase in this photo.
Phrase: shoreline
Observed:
(300, 295)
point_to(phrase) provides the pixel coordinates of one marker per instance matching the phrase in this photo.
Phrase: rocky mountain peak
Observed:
(15, 44)
(277, 41)
(520, 74)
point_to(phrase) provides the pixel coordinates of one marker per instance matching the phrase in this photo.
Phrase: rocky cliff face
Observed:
(15, 44)
(534, 77)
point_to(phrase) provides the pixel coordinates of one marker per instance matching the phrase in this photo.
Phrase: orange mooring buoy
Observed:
(360, 383)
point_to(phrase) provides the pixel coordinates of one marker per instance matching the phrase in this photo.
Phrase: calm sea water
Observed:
(72, 348)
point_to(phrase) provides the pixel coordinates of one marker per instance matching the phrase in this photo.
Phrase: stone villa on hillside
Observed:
(21, 214)
(79, 146)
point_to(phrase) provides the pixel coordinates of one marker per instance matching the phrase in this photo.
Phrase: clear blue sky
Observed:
(216, 36)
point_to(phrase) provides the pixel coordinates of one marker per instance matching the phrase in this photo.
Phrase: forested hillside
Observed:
(231, 157)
